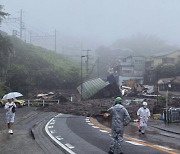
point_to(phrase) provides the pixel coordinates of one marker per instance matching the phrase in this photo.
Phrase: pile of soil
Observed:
(85, 108)
(91, 108)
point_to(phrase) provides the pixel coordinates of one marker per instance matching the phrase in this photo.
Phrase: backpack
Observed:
(13, 109)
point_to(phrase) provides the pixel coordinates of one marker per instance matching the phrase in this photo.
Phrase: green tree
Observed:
(166, 71)
(5, 49)
(2, 13)
(17, 78)
(177, 67)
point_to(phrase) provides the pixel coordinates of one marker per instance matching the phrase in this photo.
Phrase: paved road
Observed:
(22, 141)
(74, 133)
(81, 136)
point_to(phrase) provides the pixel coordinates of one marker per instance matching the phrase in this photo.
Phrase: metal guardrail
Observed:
(41, 102)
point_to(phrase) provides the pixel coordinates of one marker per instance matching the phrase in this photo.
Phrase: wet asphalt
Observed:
(22, 141)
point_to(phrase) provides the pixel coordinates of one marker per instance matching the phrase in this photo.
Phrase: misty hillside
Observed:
(142, 45)
(34, 68)
(27, 53)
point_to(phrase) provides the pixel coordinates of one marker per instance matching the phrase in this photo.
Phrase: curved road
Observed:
(78, 134)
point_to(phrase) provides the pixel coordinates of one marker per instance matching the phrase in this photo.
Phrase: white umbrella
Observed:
(11, 95)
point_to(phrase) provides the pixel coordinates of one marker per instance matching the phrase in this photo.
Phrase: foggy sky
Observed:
(100, 21)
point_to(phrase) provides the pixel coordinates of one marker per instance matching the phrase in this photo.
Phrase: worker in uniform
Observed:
(120, 118)
(143, 116)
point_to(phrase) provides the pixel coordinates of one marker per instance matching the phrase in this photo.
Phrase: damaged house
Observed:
(171, 84)
(98, 88)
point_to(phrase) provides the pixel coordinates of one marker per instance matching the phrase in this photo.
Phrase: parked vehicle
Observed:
(19, 103)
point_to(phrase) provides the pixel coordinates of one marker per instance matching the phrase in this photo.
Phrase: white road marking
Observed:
(95, 127)
(52, 131)
(134, 143)
(59, 138)
(137, 139)
(69, 146)
(104, 131)
(90, 124)
(163, 147)
(57, 116)
(52, 123)
(55, 140)
(50, 126)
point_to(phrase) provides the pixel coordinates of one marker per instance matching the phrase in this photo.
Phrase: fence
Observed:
(172, 115)
(41, 102)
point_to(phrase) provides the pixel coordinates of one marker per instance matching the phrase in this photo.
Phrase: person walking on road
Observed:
(10, 114)
(120, 118)
(143, 116)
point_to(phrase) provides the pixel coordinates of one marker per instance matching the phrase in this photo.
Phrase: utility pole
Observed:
(82, 77)
(157, 87)
(87, 62)
(55, 40)
(98, 66)
(30, 34)
(21, 25)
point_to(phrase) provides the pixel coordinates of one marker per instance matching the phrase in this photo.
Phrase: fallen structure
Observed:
(97, 88)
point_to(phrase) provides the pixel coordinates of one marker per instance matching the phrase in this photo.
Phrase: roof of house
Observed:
(164, 54)
(91, 87)
(169, 80)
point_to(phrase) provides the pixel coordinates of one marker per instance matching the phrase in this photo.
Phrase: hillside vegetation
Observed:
(29, 68)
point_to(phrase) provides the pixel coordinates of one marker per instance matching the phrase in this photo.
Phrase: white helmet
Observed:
(144, 103)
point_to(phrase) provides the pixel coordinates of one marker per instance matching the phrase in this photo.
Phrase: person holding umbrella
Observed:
(10, 114)
(10, 108)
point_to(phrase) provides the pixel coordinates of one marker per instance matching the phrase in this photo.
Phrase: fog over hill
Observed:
(84, 24)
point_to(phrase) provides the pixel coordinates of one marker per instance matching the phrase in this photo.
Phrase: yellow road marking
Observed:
(131, 139)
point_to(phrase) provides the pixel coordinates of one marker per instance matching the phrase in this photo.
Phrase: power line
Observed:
(44, 36)
(21, 24)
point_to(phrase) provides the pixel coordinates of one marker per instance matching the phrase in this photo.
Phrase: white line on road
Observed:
(55, 140)
(163, 147)
(59, 138)
(104, 131)
(52, 131)
(50, 126)
(95, 127)
(52, 123)
(134, 143)
(90, 124)
(57, 116)
(69, 146)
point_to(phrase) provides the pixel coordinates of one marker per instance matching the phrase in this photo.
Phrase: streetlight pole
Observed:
(81, 77)
(157, 87)
(167, 99)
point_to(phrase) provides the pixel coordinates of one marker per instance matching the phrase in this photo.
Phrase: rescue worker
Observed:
(120, 118)
(143, 116)
(10, 114)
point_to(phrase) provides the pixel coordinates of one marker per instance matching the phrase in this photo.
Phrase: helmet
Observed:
(144, 103)
(118, 99)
